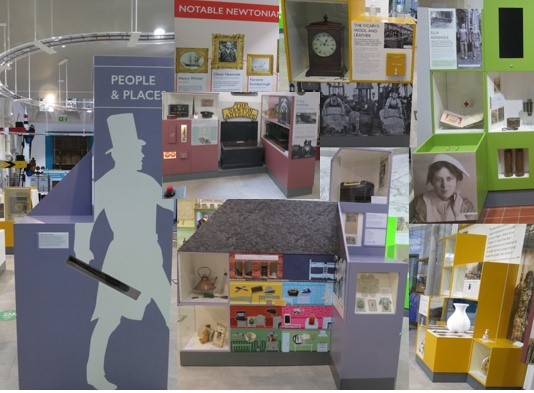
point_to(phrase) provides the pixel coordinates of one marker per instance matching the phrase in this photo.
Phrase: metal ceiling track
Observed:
(47, 45)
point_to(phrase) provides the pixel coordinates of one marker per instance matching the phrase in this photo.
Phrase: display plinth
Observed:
(496, 364)
(357, 329)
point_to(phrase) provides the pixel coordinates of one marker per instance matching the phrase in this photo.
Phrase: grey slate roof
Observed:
(269, 226)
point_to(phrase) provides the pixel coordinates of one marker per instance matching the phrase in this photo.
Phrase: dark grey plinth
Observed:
(214, 174)
(440, 377)
(255, 359)
(365, 141)
(362, 383)
(10, 250)
(509, 198)
(478, 386)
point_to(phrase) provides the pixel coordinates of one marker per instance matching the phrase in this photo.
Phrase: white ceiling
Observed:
(31, 20)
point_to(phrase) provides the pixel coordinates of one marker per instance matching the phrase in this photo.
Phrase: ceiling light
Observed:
(159, 31)
(50, 99)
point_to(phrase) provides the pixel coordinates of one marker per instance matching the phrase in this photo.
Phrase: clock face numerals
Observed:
(324, 45)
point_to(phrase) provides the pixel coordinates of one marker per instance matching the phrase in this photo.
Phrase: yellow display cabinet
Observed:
(495, 299)
(447, 352)
(496, 364)
(459, 249)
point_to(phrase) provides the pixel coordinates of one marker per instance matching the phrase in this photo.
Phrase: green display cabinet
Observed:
(506, 29)
(459, 187)
(506, 153)
(457, 101)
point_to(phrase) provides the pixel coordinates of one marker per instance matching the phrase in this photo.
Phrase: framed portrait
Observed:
(193, 60)
(227, 51)
(260, 64)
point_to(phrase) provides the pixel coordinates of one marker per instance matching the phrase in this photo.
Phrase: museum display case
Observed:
(480, 91)
(289, 133)
(362, 65)
(474, 274)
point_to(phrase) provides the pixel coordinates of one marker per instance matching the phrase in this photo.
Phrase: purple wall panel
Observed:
(55, 303)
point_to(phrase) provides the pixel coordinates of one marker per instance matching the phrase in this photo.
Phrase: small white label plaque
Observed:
(53, 240)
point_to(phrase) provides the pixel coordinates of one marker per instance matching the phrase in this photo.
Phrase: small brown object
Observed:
(513, 122)
(519, 165)
(508, 162)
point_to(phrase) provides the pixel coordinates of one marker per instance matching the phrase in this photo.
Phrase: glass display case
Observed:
(203, 328)
(376, 293)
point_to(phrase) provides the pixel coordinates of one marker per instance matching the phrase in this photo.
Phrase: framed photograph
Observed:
(193, 60)
(227, 51)
(259, 64)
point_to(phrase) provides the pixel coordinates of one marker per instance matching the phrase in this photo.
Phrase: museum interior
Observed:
(260, 188)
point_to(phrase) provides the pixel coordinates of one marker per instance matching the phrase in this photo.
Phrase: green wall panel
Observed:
(490, 27)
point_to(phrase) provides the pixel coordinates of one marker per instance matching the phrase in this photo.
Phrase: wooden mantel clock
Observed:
(325, 48)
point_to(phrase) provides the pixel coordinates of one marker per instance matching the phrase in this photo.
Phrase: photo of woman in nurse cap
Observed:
(443, 201)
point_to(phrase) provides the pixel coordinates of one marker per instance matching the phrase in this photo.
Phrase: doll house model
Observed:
(309, 313)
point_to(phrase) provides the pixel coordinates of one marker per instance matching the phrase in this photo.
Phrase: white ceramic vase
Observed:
(459, 322)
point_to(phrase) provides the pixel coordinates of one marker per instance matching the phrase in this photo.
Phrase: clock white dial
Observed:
(323, 44)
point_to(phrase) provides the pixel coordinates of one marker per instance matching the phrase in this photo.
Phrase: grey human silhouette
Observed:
(134, 255)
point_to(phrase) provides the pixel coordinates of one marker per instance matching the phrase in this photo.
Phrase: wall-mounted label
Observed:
(53, 240)
(240, 110)
(376, 220)
(131, 86)
(226, 11)
(62, 119)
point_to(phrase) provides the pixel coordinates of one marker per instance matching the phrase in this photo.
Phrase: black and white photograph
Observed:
(445, 188)
(398, 36)
(441, 19)
(363, 109)
(306, 117)
(259, 64)
(191, 60)
(227, 51)
(304, 150)
(473, 271)
(284, 110)
(469, 37)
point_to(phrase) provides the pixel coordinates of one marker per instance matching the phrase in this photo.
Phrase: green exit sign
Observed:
(62, 119)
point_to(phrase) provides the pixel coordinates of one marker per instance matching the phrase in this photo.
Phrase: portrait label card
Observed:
(192, 83)
(261, 83)
(227, 80)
